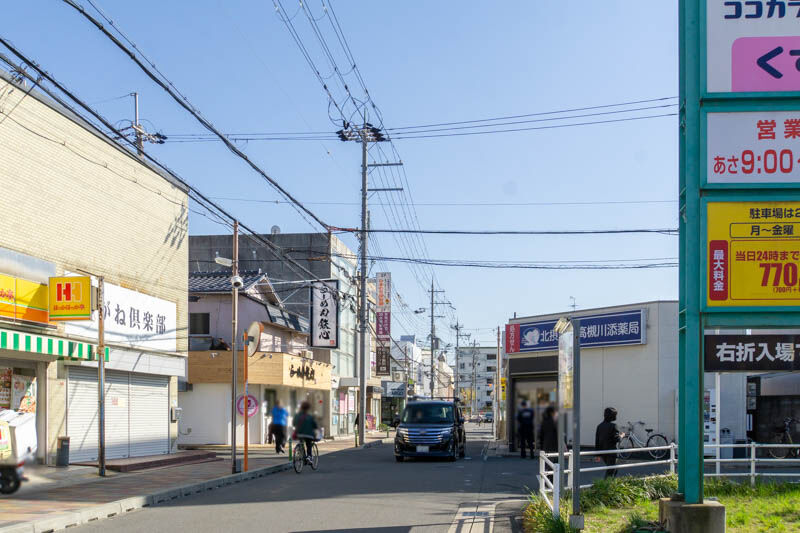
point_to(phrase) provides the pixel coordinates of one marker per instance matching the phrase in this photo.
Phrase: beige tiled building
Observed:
(74, 201)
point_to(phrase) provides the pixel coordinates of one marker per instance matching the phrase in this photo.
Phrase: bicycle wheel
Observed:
(314, 457)
(779, 453)
(656, 440)
(299, 458)
(625, 448)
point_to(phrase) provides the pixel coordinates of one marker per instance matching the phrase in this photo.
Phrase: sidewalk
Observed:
(72, 496)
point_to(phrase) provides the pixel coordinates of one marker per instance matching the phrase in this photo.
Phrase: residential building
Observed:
(75, 201)
(280, 365)
(325, 256)
(476, 370)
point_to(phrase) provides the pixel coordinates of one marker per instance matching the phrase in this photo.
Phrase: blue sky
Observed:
(423, 62)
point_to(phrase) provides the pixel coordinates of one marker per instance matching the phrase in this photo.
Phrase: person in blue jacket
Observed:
(280, 419)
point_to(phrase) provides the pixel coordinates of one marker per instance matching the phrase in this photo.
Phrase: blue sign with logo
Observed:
(610, 329)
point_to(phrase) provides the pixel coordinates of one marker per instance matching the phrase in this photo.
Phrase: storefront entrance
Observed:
(539, 392)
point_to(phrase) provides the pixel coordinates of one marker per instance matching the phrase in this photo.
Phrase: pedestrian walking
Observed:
(280, 419)
(525, 419)
(607, 437)
(548, 432)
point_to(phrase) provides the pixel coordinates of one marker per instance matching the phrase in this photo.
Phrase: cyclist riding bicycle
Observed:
(305, 428)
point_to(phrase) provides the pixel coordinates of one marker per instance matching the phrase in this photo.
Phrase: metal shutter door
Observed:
(82, 414)
(149, 411)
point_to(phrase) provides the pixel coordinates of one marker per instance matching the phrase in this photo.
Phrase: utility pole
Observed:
(136, 128)
(433, 330)
(497, 392)
(366, 134)
(101, 381)
(405, 376)
(235, 326)
(362, 377)
(458, 327)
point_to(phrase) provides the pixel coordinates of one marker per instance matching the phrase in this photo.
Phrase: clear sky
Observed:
(423, 63)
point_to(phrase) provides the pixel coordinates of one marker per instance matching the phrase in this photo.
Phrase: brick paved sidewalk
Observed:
(32, 506)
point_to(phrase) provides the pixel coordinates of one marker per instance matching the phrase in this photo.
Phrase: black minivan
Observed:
(430, 428)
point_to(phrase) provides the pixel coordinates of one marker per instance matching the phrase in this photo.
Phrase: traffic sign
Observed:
(752, 45)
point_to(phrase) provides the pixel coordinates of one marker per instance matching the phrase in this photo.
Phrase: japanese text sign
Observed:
(752, 45)
(324, 314)
(753, 147)
(753, 253)
(383, 313)
(566, 361)
(609, 329)
(382, 360)
(22, 300)
(752, 353)
(71, 298)
(132, 319)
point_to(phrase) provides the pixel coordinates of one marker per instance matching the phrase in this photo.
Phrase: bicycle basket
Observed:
(318, 434)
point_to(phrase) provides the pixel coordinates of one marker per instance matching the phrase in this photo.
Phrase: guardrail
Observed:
(551, 475)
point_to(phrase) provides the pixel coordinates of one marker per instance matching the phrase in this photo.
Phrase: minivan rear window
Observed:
(428, 414)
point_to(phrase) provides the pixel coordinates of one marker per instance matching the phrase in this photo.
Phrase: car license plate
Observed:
(423, 449)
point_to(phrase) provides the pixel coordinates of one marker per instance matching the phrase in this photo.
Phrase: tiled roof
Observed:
(221, 281)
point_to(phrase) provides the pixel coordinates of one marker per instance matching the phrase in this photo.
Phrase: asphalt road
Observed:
(353, 490)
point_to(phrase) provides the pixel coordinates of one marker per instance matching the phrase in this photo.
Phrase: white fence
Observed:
(550, 481)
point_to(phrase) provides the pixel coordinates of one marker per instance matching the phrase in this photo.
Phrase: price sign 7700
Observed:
(753, 254)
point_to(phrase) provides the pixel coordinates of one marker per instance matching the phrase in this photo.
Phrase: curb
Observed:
(372, 444)
(119, 507)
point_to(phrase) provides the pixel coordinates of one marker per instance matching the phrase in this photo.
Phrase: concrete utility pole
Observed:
(366, 134)
(362, 375)
(474, 378)
(405, 377)
(497, 392)
(136, 128)
(433, 330)
(234, 327)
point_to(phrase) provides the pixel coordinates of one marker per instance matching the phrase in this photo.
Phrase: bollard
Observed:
(672, 458)
(290, 449)
(752, 464)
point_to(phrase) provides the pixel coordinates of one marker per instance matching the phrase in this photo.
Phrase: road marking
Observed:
(473, 516)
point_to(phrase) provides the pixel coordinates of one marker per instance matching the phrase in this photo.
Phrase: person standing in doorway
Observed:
(280, 419)
(607, 437)
(548, 432)
(525, 419)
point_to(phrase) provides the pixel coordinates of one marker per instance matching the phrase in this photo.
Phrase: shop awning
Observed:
(62, 348)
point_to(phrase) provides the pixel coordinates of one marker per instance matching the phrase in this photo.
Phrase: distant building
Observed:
(476, 371)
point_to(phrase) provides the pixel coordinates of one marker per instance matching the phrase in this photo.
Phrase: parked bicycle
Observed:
(301, 457)
(631, 441)
(783, 435)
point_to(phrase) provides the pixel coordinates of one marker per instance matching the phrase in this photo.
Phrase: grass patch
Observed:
(624, 504)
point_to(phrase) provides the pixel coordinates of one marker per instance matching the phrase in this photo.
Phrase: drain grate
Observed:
(476, 513)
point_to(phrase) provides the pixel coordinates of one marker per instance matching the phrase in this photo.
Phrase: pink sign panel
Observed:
(766, 64)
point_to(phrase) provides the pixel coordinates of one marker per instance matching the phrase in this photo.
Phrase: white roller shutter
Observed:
(137, 414)
(82, 414)
(149, 412)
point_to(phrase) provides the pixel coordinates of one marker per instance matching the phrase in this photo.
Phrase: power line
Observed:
(511, 130)
(184, 102)
(539, 114)
(662, 231)
(462, 204)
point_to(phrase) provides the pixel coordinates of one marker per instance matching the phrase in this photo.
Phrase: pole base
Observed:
(680, 517)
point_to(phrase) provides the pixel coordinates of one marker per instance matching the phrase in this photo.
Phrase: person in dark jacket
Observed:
(548, 432)
(607, 437)
(525, 419)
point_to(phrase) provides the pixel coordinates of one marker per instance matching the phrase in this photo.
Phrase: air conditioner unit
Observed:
(397, 376)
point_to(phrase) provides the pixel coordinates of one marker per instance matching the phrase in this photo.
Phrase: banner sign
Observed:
(383, 312)
(750, 45)
(71, 298)
(609, 329)
(324, 314)
(753, 254)
(22, 300)
(132, 319)
(382, 360)
(393, 389)
(752, 353)
(566, 360)
(753, 147)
